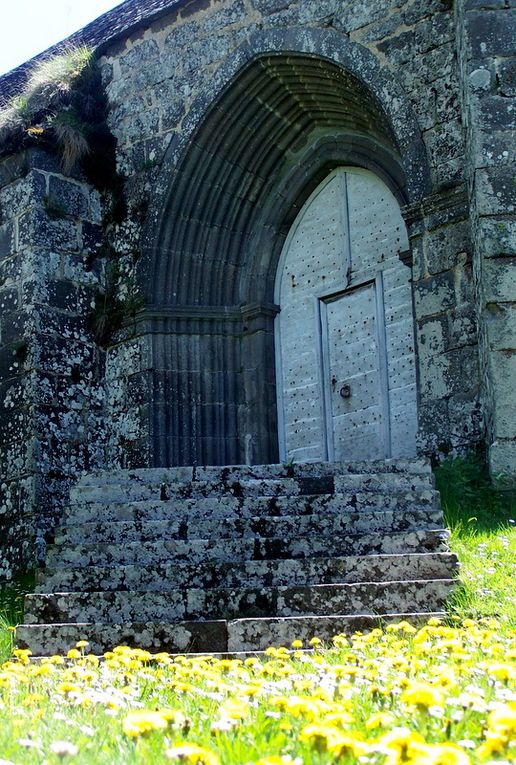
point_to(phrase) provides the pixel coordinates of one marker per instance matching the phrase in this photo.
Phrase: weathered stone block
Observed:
(10, 271)
(502, 374)
(497, 113)
(14, 326)
(70, 197)
(434, 382)
(23, 193)
(270, 6)
(138, 56)
(434, 31)
(36, 229)
(434, 294)
(500, 325)
(7, 240)
(502, 457)
(491, 34)
(9, 300)
(466, 421)
(500, 280)
(445, 142)
(484, 5)
(446, 246)
(497, 237)
(10, 363)
(13, 425)
(91, 237)
(462, 327)
(432, 337)
(349, 17)
(495, 188)
(233, 13)
(434, 425)
(506, 72)
(492, 147)
(397, 48)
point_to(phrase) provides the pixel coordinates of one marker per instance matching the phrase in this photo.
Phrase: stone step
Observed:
(347, 522)
(132, 491)
(191, 604)
(211, 636)
(253, 573)
(381, 482)
(248, 548)
(224, 474)
(143, 488)
(240, 507)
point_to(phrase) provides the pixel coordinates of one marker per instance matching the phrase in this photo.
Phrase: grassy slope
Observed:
(483, 534)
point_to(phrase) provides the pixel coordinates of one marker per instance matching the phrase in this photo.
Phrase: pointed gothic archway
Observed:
(284, 121)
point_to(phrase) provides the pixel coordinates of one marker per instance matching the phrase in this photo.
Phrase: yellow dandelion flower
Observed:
(297, 644)
(320, 737)
(503, 720)
(422, 695)
(343, 747)
(23, 655)
(191, 753)
(495, 743)
(143, 722)
(504, 672)
(379, 720)
(446, 754)
(402, 743)
(73, 653)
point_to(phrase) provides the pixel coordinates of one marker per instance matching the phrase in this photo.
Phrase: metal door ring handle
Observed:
(345, 391)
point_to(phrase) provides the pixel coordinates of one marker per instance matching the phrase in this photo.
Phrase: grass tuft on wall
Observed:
(45, 112)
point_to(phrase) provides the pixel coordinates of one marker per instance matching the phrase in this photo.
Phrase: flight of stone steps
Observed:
(239, 558)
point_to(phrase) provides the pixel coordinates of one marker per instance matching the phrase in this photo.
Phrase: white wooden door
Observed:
(355, 364)
(344, 334)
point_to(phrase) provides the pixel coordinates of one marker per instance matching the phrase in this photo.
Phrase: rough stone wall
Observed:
(154, 77)
(487, 38)
(51, 403)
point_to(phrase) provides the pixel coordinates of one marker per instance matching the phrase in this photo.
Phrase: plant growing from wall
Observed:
(63, 109)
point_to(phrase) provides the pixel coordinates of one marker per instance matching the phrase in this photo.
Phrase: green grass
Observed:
(48, 80)
(439, 695)
(481, 515)
(11, 610)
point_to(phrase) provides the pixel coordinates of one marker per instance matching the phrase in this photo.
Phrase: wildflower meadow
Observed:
(437, 695)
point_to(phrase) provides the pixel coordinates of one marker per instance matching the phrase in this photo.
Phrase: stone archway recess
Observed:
(282, 112)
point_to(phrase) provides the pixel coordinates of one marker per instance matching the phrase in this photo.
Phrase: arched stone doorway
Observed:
(345, 360)
(284, 120)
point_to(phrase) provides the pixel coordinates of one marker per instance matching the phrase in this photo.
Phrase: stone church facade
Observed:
(319, 230)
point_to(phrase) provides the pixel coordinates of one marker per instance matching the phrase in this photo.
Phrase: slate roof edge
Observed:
(95, 34)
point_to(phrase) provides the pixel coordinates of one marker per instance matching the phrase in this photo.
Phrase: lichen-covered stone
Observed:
(183, 380)
(211, 575)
